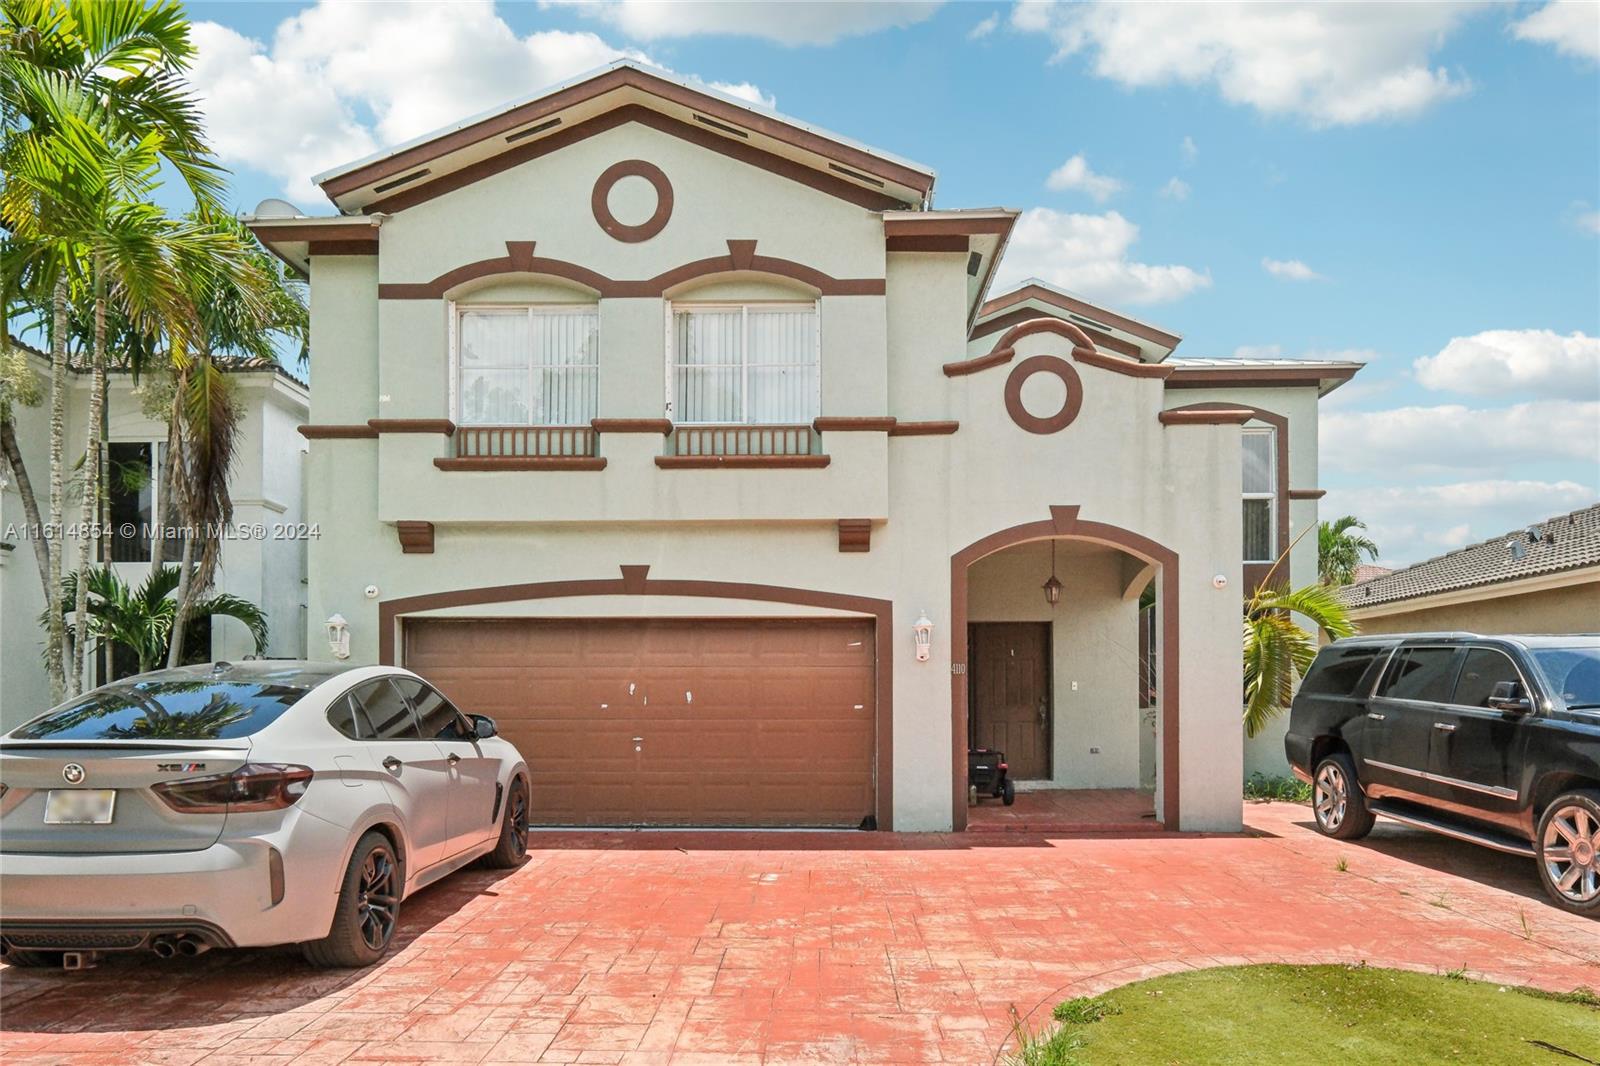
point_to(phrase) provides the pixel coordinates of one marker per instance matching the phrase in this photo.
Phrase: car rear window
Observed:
(177, 709)
(1421, 674)
(1338, 671)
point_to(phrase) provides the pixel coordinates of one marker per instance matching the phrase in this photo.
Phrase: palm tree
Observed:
(1278, 651)
(142, 620)
(1340, 546)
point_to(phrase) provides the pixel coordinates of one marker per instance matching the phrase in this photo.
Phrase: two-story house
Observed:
(679, 436)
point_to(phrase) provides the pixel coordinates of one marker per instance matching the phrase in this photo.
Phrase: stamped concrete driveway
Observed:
(733, 948)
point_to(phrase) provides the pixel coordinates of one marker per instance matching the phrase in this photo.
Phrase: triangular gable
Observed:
(1110, 330)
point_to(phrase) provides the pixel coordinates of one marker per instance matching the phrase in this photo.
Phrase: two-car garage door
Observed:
(705, 722)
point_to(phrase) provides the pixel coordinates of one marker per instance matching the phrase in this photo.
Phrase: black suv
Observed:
(1495, 740)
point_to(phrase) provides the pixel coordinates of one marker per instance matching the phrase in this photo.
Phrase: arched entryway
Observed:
(1064, 524)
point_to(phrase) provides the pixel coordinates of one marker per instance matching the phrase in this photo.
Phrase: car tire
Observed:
(25, 959)
(512, 847)
(1337, 804)
(1568, 843)
(1008, 793)
(368, 910)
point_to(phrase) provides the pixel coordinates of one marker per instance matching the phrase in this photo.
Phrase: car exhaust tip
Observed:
(80, 960)
(191, 947)
(164, 947)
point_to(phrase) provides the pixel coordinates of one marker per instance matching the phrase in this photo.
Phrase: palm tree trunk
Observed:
(180, 618)
(30, 502)
(59, 648)
(91, 479)
(165, 488)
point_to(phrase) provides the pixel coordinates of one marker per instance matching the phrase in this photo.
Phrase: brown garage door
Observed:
(671, 722)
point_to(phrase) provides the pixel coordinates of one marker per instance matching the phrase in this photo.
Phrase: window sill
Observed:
(514, 462)
(742, 462)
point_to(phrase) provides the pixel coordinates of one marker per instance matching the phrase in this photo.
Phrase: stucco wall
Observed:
(1574, 609)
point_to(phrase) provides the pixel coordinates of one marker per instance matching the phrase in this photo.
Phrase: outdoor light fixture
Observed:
(338, 636)
(1052, 588)
(922, 632)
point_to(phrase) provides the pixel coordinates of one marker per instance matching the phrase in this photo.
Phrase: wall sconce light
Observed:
(338, 636)
(1052, 588)
(922, 632)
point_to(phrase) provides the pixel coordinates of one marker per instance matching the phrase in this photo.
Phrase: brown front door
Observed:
(765, 722)
(1009, 698)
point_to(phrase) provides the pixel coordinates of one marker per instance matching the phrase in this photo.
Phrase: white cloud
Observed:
(1571, 26)
(1537, 362)
(796, 23)
(1189, 150)
(1290, 270)
(984, 28)
(1175, 189)
(1332, 64)
(1412, 523)
(1429, 440)
(1585, 218)
(339, 81)
(1075, 174)
(1088, 254)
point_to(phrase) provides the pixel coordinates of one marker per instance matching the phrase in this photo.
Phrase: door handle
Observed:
(453, 758)
(392, 764)
(1444, 727)
(1376, 717)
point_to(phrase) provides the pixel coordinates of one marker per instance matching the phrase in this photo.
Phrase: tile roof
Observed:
(1565, 542)
(1368, 571)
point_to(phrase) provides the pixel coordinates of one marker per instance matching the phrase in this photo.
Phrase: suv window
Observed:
(1338, 671)
(1483, 668)
(347, 717)
(386, 710)
(1420, 674)
(437, 715)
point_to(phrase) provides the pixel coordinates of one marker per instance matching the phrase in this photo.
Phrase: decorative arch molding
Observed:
(636, 581)
(741, 259)
(1083, 350)
(1064, 522)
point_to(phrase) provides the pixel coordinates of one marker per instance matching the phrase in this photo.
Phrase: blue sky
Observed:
(1416, 186)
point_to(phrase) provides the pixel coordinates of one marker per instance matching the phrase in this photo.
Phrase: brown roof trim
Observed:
(924, 429)
(850, 192)
(946, 226)
(1102, 340)
(610, 81)
(523, 462)
(927, 244)
(1082, 350)
(742, 462)
(519, 259)
(1207, 414)
(1205, 377)
(442, 426)
(1088, 310)
(364, 247)
(267, 233)
(635, 581)
(847, 425)
(662, 426)
(1307, 494)
(855, 534)
(333, 432)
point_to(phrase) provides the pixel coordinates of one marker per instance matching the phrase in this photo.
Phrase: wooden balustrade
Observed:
(523, 448)
(743, 446)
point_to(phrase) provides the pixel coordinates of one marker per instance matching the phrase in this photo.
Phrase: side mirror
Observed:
(1507, 696)
(483, 726)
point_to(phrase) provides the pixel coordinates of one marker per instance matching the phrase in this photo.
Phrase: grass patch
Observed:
(1299, 1014)
(1261, 788)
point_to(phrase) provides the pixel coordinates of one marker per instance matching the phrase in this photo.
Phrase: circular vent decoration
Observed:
(600, 200)
(1070, 404)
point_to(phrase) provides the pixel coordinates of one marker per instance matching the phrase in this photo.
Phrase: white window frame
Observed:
(1271, 433)
(157, 496)
(744, 307)
(458, 308)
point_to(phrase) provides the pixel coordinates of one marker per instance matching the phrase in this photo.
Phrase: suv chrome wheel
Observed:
(1330, 796)
(1571, 853)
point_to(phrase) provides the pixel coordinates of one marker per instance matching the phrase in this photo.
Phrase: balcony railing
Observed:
(522, 448)
(743, 446)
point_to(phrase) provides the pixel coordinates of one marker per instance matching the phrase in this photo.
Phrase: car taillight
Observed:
(1003, 766)
(252, 787)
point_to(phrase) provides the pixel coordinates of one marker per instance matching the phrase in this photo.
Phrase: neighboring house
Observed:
(681, 437)
(1543, 578)
(265, 482)
(1368, 571)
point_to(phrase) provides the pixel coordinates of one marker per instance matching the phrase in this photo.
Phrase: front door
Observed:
(1009, 694)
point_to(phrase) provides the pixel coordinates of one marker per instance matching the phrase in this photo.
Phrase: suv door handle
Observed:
(391, 764)
(1444, 727)
(1376, 717)
(453, 758)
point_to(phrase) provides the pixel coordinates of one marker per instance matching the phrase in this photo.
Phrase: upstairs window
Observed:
(1260, 447)
(527, 366)
(744, 364)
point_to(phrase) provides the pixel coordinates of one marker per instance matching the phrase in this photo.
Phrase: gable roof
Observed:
(457, 153)
(1112, 330)
(1566, 542)
(1324, 374)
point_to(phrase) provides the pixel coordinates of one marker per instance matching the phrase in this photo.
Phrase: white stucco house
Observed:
(687, 440)
(267, 489)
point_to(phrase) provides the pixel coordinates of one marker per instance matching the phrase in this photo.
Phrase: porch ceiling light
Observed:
(1052, 587)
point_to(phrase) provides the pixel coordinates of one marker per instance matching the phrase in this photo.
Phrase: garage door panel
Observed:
(744, 722)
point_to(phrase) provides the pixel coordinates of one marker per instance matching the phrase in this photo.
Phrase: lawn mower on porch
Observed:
(986, 776)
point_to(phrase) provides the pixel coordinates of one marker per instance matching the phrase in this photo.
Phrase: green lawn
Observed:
(1322, 1014)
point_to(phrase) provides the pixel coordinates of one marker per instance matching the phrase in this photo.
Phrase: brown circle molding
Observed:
(628, 168)
(1044, 364)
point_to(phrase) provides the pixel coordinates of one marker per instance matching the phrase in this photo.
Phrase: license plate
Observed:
(79, 806)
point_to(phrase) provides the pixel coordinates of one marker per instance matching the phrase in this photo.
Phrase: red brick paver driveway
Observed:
(733, 948)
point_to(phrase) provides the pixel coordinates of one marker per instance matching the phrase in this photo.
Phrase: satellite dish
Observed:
(274, 208)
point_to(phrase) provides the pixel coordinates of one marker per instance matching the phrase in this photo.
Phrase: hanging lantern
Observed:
(1052, 588)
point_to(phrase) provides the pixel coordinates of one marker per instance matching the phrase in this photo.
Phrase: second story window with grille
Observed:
(527, 366)
(1260, 448)
(744, 364)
